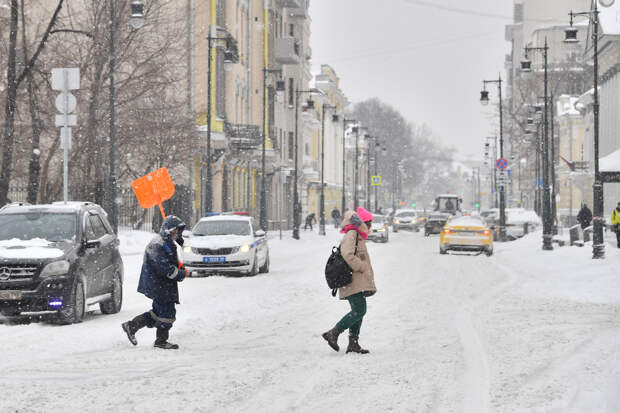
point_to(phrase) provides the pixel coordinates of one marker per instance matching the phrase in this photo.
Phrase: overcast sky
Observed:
(427, 58)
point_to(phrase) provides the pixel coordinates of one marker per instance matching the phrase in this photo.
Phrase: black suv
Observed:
(58, 259)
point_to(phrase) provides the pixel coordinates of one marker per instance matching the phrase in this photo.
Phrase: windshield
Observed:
(222, 228)
(378, 219)
(52, 227)
(406, 214)
(447, 204)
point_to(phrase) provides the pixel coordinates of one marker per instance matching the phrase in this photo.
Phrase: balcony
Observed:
(298, 12)
(287, 51)
(243, 137)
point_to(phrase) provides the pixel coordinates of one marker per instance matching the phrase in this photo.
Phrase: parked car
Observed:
(226, 243)
(58, 259)
(405, 219)
(380, 229)
(517, 218)
(466, 233)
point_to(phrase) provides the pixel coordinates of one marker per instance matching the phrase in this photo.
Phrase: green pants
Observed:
(353, 320)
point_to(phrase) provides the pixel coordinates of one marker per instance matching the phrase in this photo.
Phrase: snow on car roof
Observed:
(447, 196)
(54, 207)
(226, 218)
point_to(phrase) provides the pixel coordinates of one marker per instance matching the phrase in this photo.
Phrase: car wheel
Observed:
(74, 312)
(395, 229)
(442, 251)
(265, 268)
(489, 252)
(114, 304)
(254, 269)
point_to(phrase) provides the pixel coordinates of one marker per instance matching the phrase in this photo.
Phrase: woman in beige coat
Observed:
(355, 227)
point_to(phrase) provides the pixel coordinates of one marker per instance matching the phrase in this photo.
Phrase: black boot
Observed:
(162, 340)
(354, 346)
(332, 338)
(131, 327)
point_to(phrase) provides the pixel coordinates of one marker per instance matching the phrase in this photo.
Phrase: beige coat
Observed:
(363, 275)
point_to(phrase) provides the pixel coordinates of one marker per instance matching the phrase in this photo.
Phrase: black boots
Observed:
(129, 330)
(332, 338)
(162, 340)
(354, 346)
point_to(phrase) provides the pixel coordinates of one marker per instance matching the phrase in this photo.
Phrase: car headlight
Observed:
(396, 221)
(55, 268)
(381, 230)
(244, 248)
(187, 249)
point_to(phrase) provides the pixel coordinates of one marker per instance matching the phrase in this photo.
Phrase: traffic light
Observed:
(477, 205)
(413, 205)
(402, 203)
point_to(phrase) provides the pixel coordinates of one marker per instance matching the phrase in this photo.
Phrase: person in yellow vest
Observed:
(615, 222)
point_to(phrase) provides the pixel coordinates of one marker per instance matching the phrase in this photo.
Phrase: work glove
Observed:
(180, 265)
(182, 274)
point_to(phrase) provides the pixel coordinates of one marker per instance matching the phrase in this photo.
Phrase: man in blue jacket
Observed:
(161, 272)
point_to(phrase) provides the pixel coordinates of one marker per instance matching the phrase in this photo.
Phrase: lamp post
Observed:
(484, 100)
(344, 162)
(230, 56)
(368, 138)
(547, 219)
(598, 245)
(136, 20)
(356, 171)
(384, 150)
(296, 203)
(324, 107)
(263, 189)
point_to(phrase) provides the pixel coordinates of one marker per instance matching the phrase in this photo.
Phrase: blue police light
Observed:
(55, 303)
(211, 214)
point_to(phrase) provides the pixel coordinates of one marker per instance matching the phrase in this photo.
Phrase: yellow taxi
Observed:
(466, 233)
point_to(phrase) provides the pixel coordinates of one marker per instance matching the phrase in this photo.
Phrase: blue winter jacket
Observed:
(160, 273)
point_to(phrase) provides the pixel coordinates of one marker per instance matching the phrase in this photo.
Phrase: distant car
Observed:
(405, 219)
(434, 224)
(516, 218)
(227, 243)
(57, 259)
(466, 234)
(380, 230)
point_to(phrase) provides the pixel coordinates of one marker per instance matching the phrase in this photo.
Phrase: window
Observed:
(291, 92)
(291, 145)
(291, 30)
(97, 229)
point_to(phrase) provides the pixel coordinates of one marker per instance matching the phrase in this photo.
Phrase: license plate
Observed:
(10, 295)
(214, 259)
(467, 233)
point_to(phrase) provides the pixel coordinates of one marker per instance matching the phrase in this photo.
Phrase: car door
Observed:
(106, 243)
(91, 256)
(261, 243)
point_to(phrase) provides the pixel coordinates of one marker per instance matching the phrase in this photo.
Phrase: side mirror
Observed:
(187, 234)
(92, 244)
(259, 233)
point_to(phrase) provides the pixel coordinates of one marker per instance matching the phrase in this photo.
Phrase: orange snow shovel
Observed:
(153, 189)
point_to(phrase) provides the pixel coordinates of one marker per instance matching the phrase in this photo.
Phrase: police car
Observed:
(226, 243)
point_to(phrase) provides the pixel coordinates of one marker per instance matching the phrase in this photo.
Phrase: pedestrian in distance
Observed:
(310, 218)
(584, 217)
(355, 227)
(336, 217)
(615, 222)
(159, 278)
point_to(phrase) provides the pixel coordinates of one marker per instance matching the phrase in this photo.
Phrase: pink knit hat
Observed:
(364, 214)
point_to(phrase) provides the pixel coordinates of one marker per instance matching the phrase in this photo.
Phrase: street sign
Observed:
(375, 180)
(66, 120)
(66, 102)
(70, 74)
(501, 163)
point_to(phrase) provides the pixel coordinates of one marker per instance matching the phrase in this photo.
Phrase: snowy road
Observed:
(519, 331)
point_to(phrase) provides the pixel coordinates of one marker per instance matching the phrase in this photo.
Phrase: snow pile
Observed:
(36, 248)
(610, 163)
(519, 216)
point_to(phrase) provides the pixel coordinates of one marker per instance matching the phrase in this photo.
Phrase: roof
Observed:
(226, 218)
(56, 207)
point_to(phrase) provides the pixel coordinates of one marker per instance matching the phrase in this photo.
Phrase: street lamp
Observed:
(547, 219)
(322, 201)
(484, 100)
(137, 21)
(598, 245)
(356, 130)
(263, 190)
(384, 152)
(231, 55)
(296, 203)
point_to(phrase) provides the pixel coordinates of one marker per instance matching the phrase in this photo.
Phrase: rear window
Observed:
(378, 219)
(216, 227)
(468, 221)
(44, 225)
(406, 214)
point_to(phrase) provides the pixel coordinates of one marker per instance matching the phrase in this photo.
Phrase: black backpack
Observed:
(337, 271)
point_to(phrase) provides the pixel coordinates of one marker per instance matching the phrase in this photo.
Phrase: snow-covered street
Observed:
(508, 333)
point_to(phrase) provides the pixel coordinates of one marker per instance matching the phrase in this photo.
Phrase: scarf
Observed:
(350, 227)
